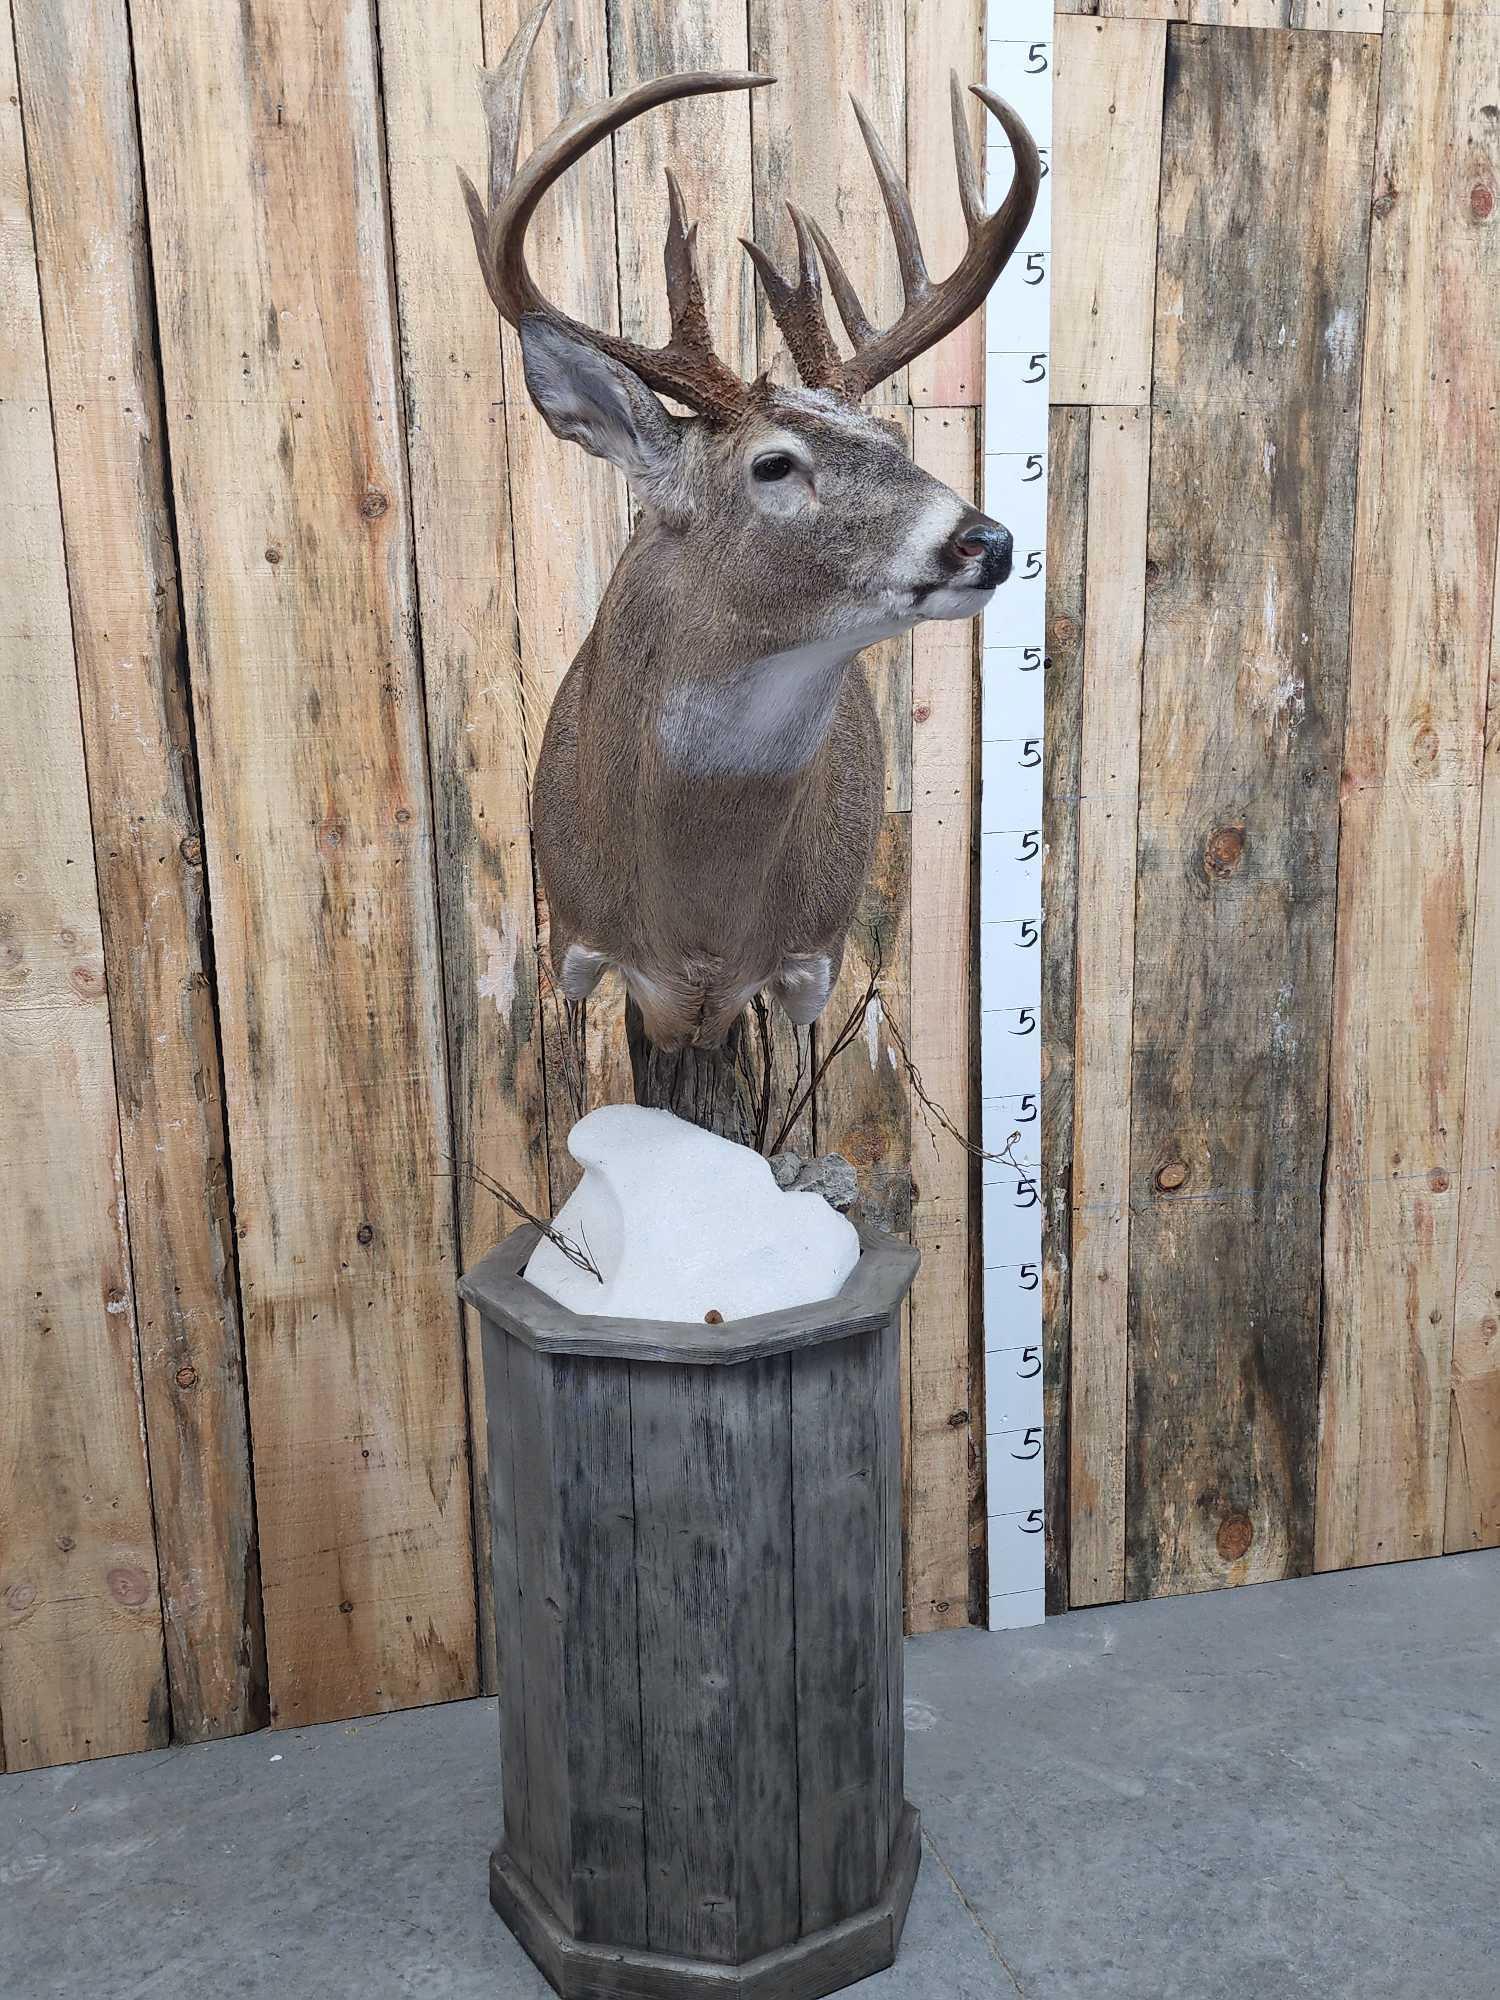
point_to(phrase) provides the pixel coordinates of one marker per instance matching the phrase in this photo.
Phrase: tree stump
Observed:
(698, 1603)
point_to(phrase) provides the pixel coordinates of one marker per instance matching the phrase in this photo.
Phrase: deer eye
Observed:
(775, 465)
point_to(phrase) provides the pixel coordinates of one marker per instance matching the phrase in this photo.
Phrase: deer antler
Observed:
(931, 311)
(686, 368)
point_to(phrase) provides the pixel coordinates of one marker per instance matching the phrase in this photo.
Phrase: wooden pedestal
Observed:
(697, 1557)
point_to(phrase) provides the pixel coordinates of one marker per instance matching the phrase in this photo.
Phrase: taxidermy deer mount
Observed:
(710, 782)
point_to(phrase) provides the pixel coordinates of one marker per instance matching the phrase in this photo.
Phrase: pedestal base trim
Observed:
(806, 1970)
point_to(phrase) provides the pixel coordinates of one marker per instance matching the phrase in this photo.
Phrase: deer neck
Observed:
(721, 696)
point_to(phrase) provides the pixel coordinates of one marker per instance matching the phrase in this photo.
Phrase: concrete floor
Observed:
(1253, 1795)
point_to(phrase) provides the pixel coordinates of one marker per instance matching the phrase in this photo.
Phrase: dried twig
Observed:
(575, 1256)
(846, 1034)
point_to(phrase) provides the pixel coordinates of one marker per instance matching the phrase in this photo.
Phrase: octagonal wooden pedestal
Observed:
(697, 1561)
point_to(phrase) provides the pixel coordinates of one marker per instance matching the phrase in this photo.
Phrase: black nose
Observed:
(985, 542)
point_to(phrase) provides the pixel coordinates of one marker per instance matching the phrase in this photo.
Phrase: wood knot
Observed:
(373, 506)
(129, 1585)
(364, 1233)
(1234, 1537)
(186, 1376)
(1064, 631)
(922, 712)
(87, 981)
(66, 1543)
(1438, 1181)
(1481, 202)
(1223, 851)
(958, 1419)
(1171, 1176)
(20, 1596)
(273, 554)
(190, 847)
(346, 1606)
(1383, 203)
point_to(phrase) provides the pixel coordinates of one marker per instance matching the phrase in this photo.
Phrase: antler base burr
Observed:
(697, 1563)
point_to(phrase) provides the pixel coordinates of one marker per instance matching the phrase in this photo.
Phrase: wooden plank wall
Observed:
(290, 572)
(292, 568)
(1274, 1271)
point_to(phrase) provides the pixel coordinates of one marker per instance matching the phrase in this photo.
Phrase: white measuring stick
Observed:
(1017, 333)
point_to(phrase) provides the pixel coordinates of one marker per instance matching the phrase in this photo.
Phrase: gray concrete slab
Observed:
(1256, 1795)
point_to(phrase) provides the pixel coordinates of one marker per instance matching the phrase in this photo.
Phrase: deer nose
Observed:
(985, 542)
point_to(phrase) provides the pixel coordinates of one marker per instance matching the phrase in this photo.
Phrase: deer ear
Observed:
(593, 400)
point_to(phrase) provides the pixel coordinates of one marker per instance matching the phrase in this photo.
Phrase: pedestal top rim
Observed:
(866, 1300)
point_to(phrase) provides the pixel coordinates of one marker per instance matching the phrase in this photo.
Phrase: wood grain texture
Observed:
(808, 149)
(1472, 1516)
(942, 1423)
(1106, 158)
(1423, 617)
(570, 513)
(80, 113)
(706, 143)
(1108, 791)
(270, 248)
(943, 35)
(714, 1538)
(1255, 433)
(82, 1669)
(1067, 554)
(477, 724)
(839, 1447)
(1351, 16)
(863, 1106)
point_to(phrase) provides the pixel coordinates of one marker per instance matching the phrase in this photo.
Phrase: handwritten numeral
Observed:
(1033, 1356)
(1031, 1444)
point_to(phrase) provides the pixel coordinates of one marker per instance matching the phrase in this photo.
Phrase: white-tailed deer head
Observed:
(710, 783)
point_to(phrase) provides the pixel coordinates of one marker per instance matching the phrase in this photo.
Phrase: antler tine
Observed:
(914, 280)
(935, 310)
(970, 196)
(684, 282)
(798, 308)
(686, 368)
(851, 311)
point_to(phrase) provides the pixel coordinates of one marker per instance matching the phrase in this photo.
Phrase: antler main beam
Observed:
(686, 368)
(931, 311)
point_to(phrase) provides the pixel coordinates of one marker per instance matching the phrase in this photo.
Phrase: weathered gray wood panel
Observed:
(713, 1491)
(1067, 536)
(699, 1599)
(1260, 305)
(842, 1665)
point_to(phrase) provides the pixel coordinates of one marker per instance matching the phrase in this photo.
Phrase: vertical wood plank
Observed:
(506, 1604)
(270, 244)
(706, 143)
(1472, 1518)
(79, 102)
(844, 1762)
(1106, 157)
(808, 149)
(714, 1559)
(863, 1105)
(1423, 616)
(940, 1041)
(592, 1476)
(82, 1669)
(1256, 425)
(547, 1813)
(943, 35)
(570, 513)
(477, 726)
(1108, 790)
(1067, 549)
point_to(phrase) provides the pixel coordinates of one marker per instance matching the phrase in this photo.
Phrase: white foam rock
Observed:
(683, 1223)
